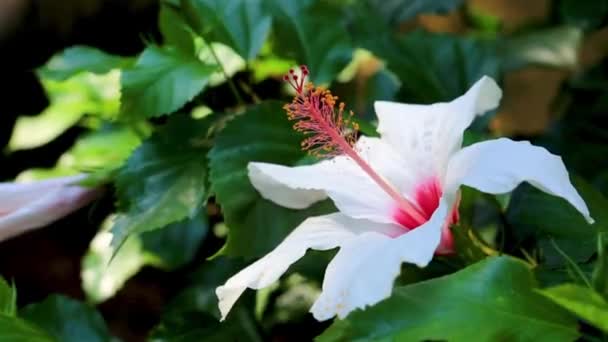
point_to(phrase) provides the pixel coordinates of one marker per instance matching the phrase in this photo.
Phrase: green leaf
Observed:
(533, 213)
(175, 30)
(262, 134)
(8, 298)
(298, 36)
(104, 273)
(70, 100)
(162, 81)
(493, 300)
(176, 244)
(104, 270)
(241, 24)
(193, 314)
(422, 60)
(67, 320)
(199, 293)
(554, 47)
(196, 327)
(105, 148)
(587, 15)
(78, 59)
(470, 246)
(398, 11)
(600, 270)
(582, 301)
(164, 180)
(14, 329)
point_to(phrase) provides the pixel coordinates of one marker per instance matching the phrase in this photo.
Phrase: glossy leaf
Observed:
(582, 301)
(262, 134)
(67, 320)
(488, 301)
(162, 81)
(241, 24)
(164, 180)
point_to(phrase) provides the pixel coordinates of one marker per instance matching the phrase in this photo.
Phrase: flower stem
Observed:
(231, 84)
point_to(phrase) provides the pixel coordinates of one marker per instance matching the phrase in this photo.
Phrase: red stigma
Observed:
(295, 81)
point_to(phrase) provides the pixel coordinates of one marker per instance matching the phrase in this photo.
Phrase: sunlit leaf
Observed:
(263, 134)
(488, 301)
(231, 62)
(8, 298)
(70, 100)
(241, 24)
(78, 59)
(162, 81)
(104, 273)
(105, 148)
(582, 301)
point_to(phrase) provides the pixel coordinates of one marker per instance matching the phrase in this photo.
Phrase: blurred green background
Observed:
(549, 56)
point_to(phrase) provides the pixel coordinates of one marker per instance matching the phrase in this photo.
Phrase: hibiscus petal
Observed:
(365, 268)
(319, 233)
(271, 188)
(352, 190)
(46, 209)
(498, 166)
(15, 195)
(426, 135)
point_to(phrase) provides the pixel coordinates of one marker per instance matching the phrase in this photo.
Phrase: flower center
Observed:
(427, 196)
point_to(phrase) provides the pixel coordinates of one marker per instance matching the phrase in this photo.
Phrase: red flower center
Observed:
(426, 197)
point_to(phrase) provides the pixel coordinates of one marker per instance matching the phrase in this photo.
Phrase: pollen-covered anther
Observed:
(314, 110)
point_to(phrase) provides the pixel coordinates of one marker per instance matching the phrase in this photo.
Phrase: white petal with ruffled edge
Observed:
(319, 233)
(365, 268)
(352, 190)
(498, 166)
(426, 135)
